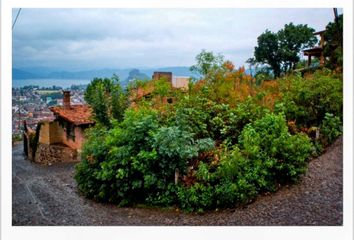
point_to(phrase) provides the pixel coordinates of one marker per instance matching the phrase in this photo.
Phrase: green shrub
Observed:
(237, 179)
(228, 122)
(225, 155)
(268, 142)
(193, 115)
(331, 128)
(308, 100)
(197, 197)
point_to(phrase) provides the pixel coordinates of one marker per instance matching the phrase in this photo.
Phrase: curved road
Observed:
(47, 195)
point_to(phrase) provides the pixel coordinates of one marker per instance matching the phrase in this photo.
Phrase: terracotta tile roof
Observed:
(76, 114)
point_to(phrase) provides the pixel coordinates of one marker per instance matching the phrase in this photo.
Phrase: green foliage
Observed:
(331, 128)
(333, 48)
(107, 99)
(262, 75)
(206, 150)
(307, 101)
(206, 62)
(178, 146)
(118, 100)
(93, 153)
(267, 140)
(237, 175)
(228, 122)
(196, 198)
(119, 159)
(162, 87)
(293, 39)
(267, 51)
(281, 50)
(193, 115)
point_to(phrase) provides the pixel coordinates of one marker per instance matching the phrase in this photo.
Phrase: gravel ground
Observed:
(47, 195)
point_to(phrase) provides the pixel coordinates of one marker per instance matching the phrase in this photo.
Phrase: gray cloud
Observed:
(119, 38)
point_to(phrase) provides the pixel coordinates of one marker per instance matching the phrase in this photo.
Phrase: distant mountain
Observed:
(136, 74)
(21, 74)
(177, 71)
(50, 73)
(124, 74)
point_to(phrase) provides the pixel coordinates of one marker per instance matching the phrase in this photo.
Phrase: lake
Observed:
(64, 83)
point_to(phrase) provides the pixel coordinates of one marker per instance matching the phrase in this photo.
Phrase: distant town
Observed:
(31, 104)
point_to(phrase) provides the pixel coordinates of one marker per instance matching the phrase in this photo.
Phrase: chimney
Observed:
(66, 99)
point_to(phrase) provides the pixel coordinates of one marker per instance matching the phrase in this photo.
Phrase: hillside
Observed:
(50, 73)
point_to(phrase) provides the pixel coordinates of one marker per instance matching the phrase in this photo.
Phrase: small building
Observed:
(180, 82)
(159, 75)
(316, 51)
(61, 139)
(72, 121)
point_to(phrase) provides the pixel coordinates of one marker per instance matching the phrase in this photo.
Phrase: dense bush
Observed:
(202, 151)
(308, 100)
(331, 128)
(283, 155)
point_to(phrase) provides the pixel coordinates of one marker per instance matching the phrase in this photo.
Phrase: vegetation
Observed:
(220, 144)
(333, 49)
(107, 100)
(281, 50)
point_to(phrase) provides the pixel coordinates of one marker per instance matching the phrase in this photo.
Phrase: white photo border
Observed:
(8, 231)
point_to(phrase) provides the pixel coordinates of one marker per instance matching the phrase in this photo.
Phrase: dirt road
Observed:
(47, 195)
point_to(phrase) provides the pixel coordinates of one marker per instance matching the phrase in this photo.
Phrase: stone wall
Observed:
(54, 153)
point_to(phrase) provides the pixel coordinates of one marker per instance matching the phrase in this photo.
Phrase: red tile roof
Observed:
(76, 114)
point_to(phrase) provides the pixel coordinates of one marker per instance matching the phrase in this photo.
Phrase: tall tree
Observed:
(281, 50)
(292, 41)
(333, 49)
(268, 51)
(107, 99)
(206, 62)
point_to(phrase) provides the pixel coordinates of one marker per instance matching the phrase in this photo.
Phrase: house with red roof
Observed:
(61, 139)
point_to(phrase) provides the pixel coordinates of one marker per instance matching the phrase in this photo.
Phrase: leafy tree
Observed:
(281, 50)
(118, 100)
(333, 48)
(162, 87)
(268, 51)
(293, 39)
(107, 99)
(100, 105)
(207, 61)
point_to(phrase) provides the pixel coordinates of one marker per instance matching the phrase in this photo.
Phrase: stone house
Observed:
(61, 139)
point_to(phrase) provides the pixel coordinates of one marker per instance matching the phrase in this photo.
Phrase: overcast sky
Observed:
(81, 39)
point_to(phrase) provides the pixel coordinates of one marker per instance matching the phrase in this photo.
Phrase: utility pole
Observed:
(335, 11)
(19, 113)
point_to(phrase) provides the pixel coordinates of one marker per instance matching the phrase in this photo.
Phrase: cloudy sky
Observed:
(82, 39)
